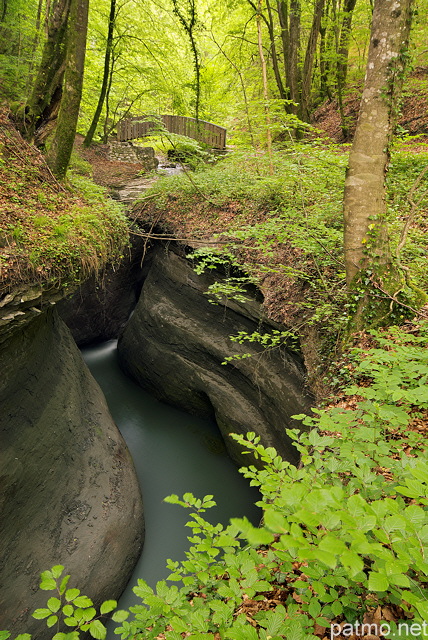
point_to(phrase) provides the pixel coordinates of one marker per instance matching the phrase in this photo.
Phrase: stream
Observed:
(173, 452)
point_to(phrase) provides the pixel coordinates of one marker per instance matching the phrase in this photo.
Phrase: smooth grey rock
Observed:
(176, 340)
(69, 493)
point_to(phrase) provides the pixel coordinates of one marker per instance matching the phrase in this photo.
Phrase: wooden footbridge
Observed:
(142, 126)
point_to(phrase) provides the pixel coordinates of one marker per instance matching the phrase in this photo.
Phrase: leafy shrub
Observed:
(343, 533)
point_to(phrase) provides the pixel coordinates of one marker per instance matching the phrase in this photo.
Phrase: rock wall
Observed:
(174, 345)
(101, 306)
(69, 494)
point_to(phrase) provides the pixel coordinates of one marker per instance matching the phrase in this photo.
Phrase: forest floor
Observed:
(108, 173)
(413, 119)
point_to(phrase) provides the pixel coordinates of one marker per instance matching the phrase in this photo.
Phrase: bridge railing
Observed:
(202, 131)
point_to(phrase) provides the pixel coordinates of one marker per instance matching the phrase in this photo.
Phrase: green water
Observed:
(173, 452)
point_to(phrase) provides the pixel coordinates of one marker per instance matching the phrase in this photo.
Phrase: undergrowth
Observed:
(50, 234)
(343, 540)
(284, 232)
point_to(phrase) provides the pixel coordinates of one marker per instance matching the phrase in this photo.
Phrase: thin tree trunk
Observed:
(106, 128)
(282, 9)
(109, 45)
(294, 52)
(342, 60)
(59, 154)
(345, 33)
(275, 63)
(3, 10)
(189, 25)
(309, 60)
(364, 196)
(36, 38)
(265, 87)
(324, 88)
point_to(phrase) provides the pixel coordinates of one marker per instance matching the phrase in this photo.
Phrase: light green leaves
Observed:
(108, 606)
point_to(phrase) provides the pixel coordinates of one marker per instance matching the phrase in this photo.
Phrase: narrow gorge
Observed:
(70, 491)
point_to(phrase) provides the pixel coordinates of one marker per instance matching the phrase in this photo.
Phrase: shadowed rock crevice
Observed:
(174, 345)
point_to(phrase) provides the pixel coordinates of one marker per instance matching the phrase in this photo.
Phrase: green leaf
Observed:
(415, 514)
(71, 594)
(378, 581)
(353, 561)
(23, 636)
(57, 570)
(394, 523)
(68, 609)
(85, 615)
(356, 506)
(71, 621)
(41, 614)
(63, 584)
(275, 521)
(422, 607)
(82, 602)
(48, 584)
(51, 621)
(399, 579)
(54, 604)
(178, 624)
(332, 544)
(325, 557)
(314, 608)
(107, 606)
(4, 635)
(97, 630)
(274, 621)
(120, 616)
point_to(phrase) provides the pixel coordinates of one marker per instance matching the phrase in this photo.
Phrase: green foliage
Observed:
(68, 607)
(18, 47)
(79, 165)
(287, 228)
(268, 341)
(62, 237)
(358, 541)
(337, 536)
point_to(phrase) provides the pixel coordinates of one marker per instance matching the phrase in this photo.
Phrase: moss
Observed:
(52, 235)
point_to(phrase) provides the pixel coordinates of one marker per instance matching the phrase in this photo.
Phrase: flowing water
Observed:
(173, 452)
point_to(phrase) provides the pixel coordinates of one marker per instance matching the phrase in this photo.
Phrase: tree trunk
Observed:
(342, 60)
(46, 93)
(189, 24)
(294, 50)
(275, 63)
(324, 85)
(108, 127)
(36, 39)
(109, 45)
(282, 9)
(345, 33)
(59, 154)
(364, 196)
(265, 87)
(309, 60)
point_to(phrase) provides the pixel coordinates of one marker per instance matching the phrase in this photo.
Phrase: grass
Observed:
(286, 230)
(49, 234)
